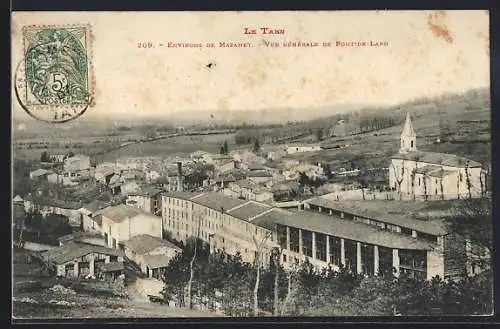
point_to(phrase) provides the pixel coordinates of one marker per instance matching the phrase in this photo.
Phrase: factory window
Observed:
(320, 246)
(294, 239)
(307, 243)
(335, 250)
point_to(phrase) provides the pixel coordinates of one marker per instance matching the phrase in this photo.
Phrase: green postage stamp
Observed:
(54, 81)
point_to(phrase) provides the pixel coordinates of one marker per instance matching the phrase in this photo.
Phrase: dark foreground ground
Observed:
(38, 296)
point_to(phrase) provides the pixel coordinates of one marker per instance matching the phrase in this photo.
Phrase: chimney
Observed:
(179, 176)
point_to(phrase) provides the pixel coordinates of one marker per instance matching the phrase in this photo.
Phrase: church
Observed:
(430, 175)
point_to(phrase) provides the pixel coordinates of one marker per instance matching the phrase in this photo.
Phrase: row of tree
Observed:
(224, 283)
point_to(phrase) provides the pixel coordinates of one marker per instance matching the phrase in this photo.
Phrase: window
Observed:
(320, 246)
(284, 258)
(307, 243)
(367, 259)
(411, 144)
(460, 177)
(281, 231)
(294, 239)
(335, 250)
(419, 181)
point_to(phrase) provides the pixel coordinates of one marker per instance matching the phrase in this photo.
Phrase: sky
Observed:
(427, 53)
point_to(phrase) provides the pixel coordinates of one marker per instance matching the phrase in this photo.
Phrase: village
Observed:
(121, 223)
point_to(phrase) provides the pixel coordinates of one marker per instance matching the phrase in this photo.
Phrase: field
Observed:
(175, 146)
(465, 137)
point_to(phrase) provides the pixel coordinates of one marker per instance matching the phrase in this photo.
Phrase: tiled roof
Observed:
(216, 201)
(444, 159)
(40, 172)
(181, 194)
(59, 203)
(249, 210)
(95, 205)
(156, 261)
(346, 229)
(121, 212)
(427, 169)
(144, 243)
(399, 213)
(69, 252)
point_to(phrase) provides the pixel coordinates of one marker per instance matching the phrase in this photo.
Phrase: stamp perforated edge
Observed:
(89, 39)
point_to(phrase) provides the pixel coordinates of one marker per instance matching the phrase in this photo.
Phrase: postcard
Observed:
(251, 164)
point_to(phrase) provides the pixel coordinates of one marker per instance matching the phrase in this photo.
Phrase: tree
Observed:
(256, 146)
(221, 151)
(472, 219)
(226, 148)
(319, 134)
(399, 180)
(259, 245)
(44, 157)
(191, 265)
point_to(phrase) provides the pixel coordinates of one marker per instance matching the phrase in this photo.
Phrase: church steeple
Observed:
(408, 137)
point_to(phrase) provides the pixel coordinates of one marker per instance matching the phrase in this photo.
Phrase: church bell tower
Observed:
(408, 137)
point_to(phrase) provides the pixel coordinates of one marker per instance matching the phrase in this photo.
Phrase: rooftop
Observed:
(444, 159)
(121, 212)
(216, 201)
(408, 214)
(94, 206)
(181, 194)
(59, 203)
(249, 210)
(40, 172)
(342, 228)
(156, 261)
(144, 243)
(69, 252)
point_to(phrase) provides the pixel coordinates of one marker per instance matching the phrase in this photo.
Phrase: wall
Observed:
(450, 188)
(435, 263)
(232, 234)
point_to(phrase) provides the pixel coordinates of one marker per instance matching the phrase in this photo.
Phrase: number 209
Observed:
(144, 45)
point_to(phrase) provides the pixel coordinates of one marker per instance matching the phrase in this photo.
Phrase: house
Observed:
(40, 174)
(57, 158)
(121, 222)
(152, 175)
(76, 163)
(69, 209)
(147, 199)
(431, 175)
(90, 217)
(259, 176)
(81, 260)
(151, 254)
(223, 222)
(103, 175)
(276, 155)
(130, 188)
(248, 190)
(292, 149)
(224, 166)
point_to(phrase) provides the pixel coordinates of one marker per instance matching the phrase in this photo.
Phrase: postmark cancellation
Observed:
(54, 79)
